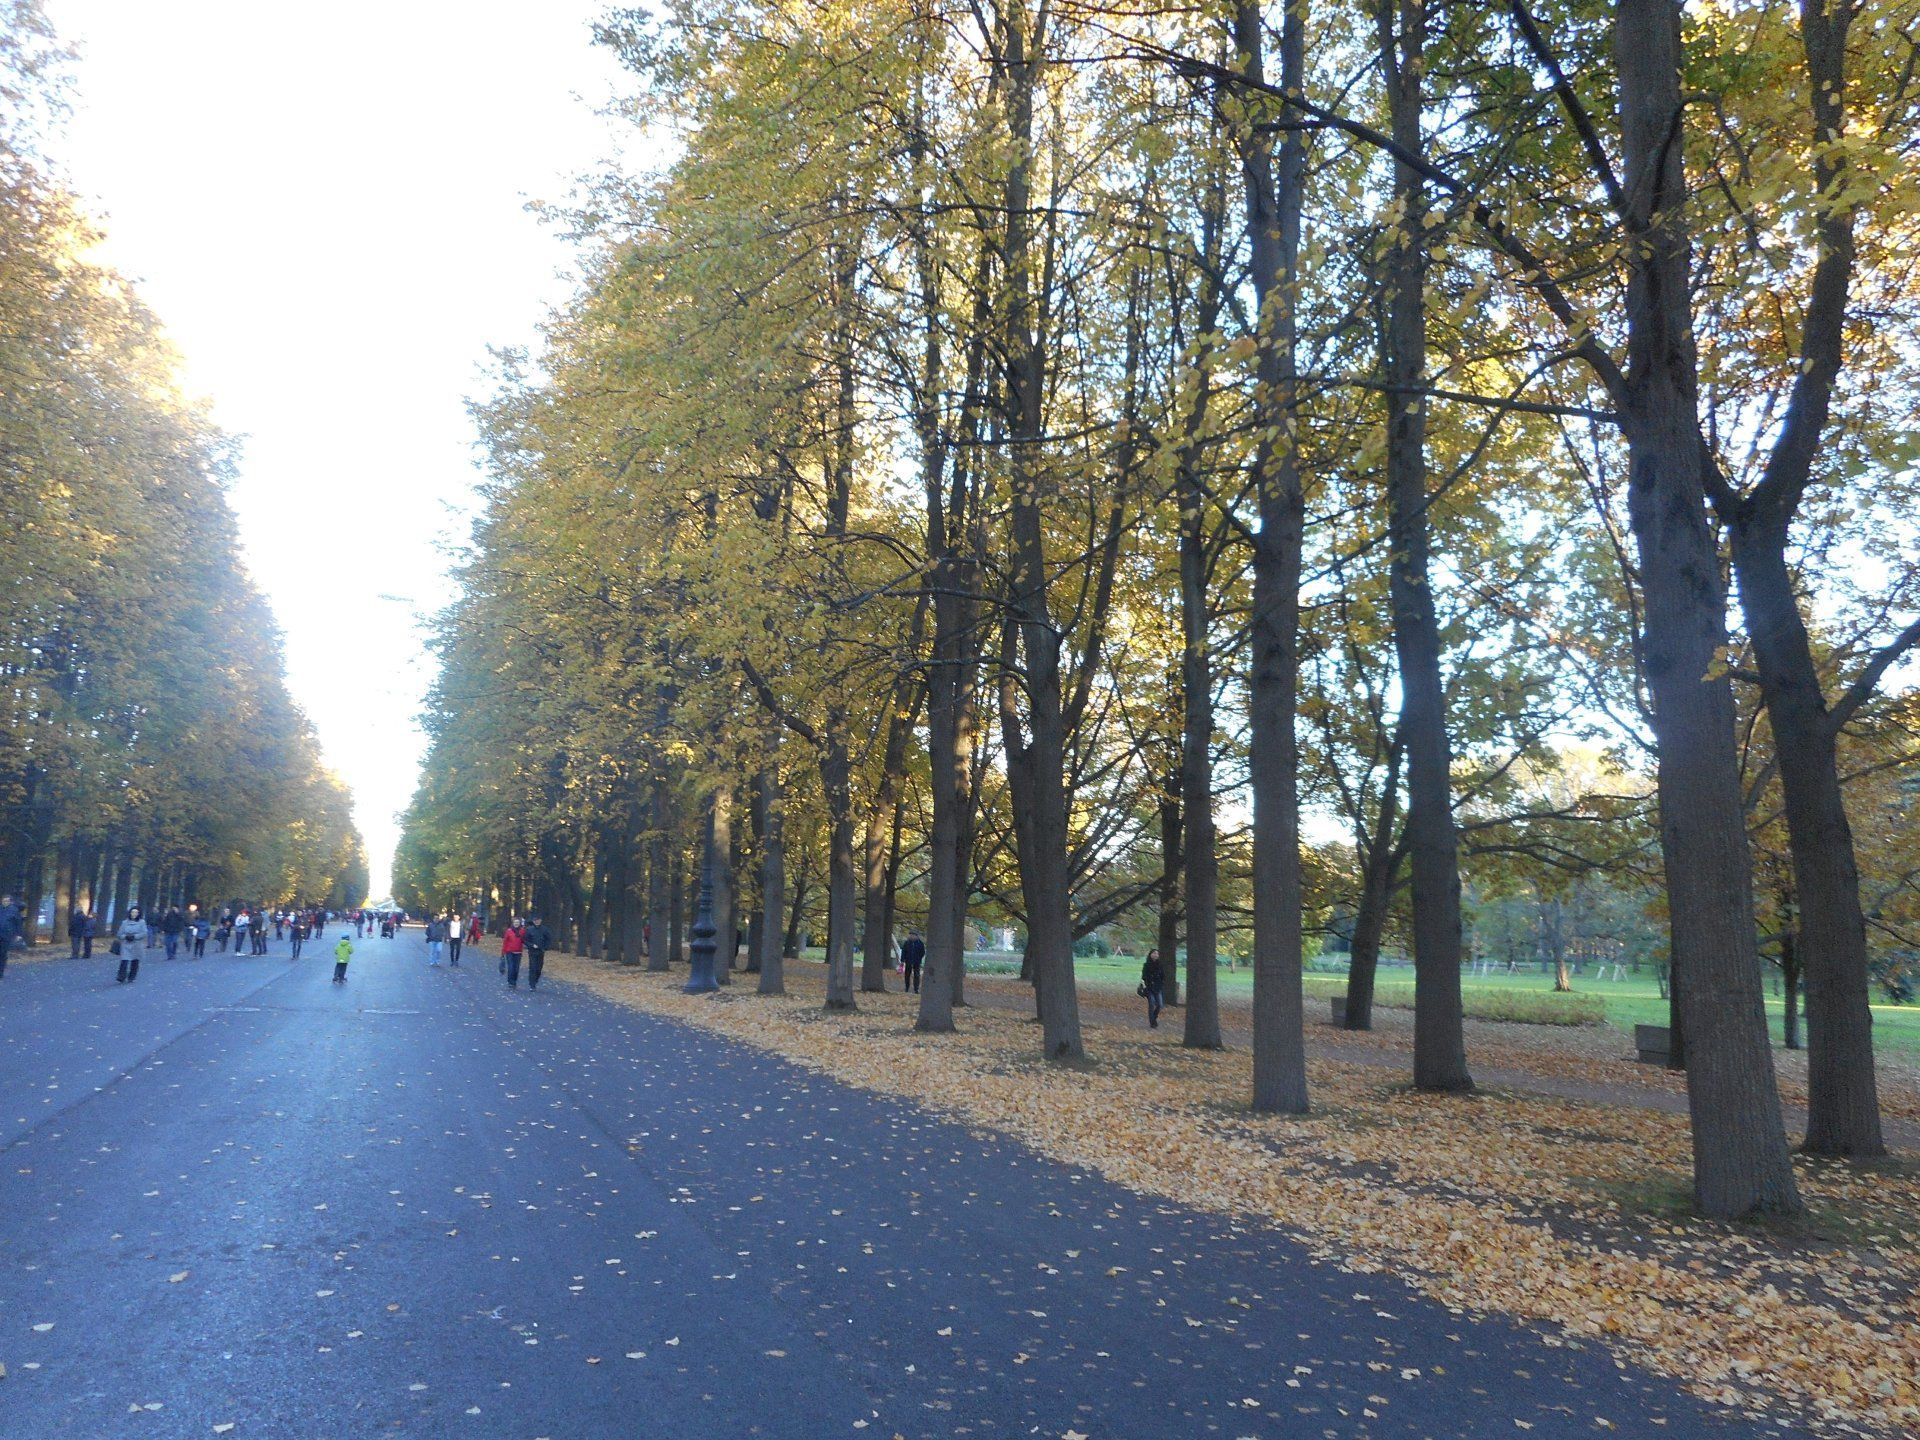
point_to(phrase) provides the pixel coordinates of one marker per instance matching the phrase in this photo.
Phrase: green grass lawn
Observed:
(1633, 1001)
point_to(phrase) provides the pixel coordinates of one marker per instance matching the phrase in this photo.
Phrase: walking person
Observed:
(76, 930)
(170, 929)
(89, 927)
(436, 940)
(913, 954)
(9, 928)
(133, 945)
(1153, 984)
(453, 939)
(473, 928)
(202, 928)
(297, 932)
(342, 952)
(242, 923)
(512, 943)
(536, 938)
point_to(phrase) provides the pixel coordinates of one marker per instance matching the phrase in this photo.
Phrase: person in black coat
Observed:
(1153, 984)
(9, 928)
(536, 940)
(913, 954)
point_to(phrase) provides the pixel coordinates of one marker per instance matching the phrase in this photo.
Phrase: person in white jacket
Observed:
(133, 944)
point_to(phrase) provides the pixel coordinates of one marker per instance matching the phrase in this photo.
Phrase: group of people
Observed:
(524, 942)
(524, 939)
(388, 922)
(243, 929)
(447, 933)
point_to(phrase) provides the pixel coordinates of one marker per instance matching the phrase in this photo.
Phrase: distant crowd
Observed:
(244, 929)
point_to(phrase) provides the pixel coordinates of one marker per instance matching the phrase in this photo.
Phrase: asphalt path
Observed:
(237, 1195)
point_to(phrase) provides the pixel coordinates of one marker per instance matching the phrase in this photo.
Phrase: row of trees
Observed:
(1066, 459)
(149, 749)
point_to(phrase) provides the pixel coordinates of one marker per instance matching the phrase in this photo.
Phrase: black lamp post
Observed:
(701, 950)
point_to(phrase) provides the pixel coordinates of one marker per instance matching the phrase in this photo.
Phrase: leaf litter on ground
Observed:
(1544, 1209)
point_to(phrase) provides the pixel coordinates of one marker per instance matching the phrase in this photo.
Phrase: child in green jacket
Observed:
(342, 952)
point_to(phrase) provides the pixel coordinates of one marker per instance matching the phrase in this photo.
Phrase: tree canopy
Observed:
(149, 748)
(1262, 467)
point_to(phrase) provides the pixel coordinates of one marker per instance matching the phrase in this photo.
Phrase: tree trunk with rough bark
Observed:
(726, 888)
(1200, 1028)
(1036, 764)
(843, 881)
(1433, 847)
(1167, 921)
(659, 896)
(1741, 1164)
(773, 882)
(1843, 1100)
(1380, 865)
(1273, 224)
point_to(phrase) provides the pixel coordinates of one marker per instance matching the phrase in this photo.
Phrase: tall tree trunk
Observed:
(753, 902)
(1036, 766)
(1843, 1101)
(1199, 836)
(874, 940)
(1741, 1164)
(1200, 860)
(64, 894)
(882, 817)
(726, 888)
(843, 880)
(659, 893)
(1789, 981)
(1553, 922)
(631, 901)
(1167, 928)
(122, 883)
(1273, 225)
(897, 826)
(1369, 925)
(950, 721)
(1380, 856)
(619, 945)
(947, 477)
(1439, 1030)
(773, 881)
(593, 931)
(676, 897)
(149, 886)
(796, 911)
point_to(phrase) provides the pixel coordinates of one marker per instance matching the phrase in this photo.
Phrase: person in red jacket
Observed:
(513, 941)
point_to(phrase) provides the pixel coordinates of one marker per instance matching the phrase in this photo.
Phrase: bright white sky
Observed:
(327, 207)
